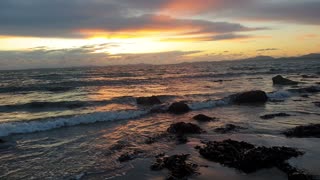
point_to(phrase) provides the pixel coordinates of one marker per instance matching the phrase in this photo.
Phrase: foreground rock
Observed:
(251, 97)
(271, 116)
(312, 130)
(204, 118)
(246, 157)
(177, 165)
(228, 128)
(279, 80)
(148, 100)
(293, 173)
(184, 128)
(179, 108)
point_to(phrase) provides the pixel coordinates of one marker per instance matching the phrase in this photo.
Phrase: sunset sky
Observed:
(62, 33)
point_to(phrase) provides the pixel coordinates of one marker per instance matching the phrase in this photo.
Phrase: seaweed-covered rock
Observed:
(148, 100)
(184, 128)
(279, 80)
(271, 116)
(312, 130)
(177, 165)
(250, 97)
(228, 128)
(246, 157)
(204, 118)
(179, 108)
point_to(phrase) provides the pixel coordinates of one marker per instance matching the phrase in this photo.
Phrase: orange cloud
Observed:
(188, 6)
(308, 37)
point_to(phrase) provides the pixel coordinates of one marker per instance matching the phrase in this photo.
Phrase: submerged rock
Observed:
(184, 128)
(157, 137)
(279, 80)
(129, 156)
(251, 97)
(148, 100)
(228, 128)
(309, 76)
(271, 116)
(204, 118)
(179, 108)
(310, 89)
(177, 165)
(246, 157)
(312, 130)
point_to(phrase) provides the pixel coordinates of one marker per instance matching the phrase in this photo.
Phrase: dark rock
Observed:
(279, 80)
(228, 128)
(184, 128)
(271, 116)
(305, 95)
(129, 156)
(177, 165)
(317, 103)
(299, 176)
(179, 108)
(148, 100)
(251, 97)
(2, 141)
(246, 157)
(312, 130)
(204, 118)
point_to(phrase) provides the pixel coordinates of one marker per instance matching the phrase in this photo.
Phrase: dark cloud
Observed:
(268, 49)
(230, 37)
(42, 57)
(60, 18)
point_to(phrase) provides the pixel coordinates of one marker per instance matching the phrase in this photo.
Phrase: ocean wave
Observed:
(22, 127)
(45, 105)
(279, 95)
(210, 104)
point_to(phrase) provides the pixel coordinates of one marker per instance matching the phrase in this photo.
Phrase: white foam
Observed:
(209, 104)
(279, 94)
(44, 125)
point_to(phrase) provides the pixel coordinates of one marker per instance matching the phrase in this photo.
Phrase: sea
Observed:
(74, 123)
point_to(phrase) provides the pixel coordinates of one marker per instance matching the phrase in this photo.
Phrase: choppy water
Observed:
(64, 123)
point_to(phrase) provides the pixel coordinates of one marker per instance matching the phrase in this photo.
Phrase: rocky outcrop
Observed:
(177, 165)
(228, 128)
(179, 108)
(148, 100)
(271, 116)
(279, 80)
(312, 130)
(184, 128)
(204, 118)
(246, 157)
(250, 97)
